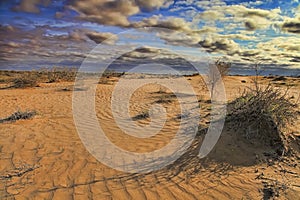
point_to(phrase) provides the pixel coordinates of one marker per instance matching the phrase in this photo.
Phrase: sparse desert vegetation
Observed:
(257, 155)
(108, 77)
(143, 115)
(18, 115)
(149, 100)
(216, 72)
(24, 81)
(265, 111)
(19, 79)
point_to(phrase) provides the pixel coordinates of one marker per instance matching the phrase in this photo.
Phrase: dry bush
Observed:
(58, 74)
(5, 77)
(25, 79)
(104, 81)
(107, 75)
(143, 115)
(20, 79)
(263, 112)
(223, 66)
(162, 90)
(19, 115)
(113, 74)
(165, 98)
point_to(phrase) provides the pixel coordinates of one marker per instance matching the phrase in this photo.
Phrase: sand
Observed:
(44, 158)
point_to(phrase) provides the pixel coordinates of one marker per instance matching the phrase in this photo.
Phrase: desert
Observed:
(42, 156)
(149, 99)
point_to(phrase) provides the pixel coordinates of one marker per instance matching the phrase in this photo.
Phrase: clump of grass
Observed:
(273, 189)
(104, 81)
(18, 116)
(23, 82)
(58, 74)
(263, 113)
(165, 98)
(23, 79)
(112, 73)
(107, 76)
(19, 171)
(144, 115)
(280, 78)
(161, 90)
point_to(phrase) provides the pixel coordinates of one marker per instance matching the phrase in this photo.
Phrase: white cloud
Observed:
(112, 12)
(31, 5)
(171, 23)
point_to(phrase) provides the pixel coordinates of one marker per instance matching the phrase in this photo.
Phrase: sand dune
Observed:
(44, 158)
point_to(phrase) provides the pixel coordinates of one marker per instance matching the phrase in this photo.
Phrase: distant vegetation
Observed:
(107, 75)
(23, 79)
(59, 75)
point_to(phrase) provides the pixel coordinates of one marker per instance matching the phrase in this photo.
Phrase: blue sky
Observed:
(44, 33)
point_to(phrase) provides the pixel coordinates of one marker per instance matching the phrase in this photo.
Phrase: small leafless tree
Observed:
(216, 72)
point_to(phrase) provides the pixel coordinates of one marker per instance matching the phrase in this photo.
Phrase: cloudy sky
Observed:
(45, 33)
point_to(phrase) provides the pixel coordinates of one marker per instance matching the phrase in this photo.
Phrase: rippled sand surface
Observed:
(44, 158)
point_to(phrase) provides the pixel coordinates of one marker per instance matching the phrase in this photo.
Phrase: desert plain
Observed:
(43, 157)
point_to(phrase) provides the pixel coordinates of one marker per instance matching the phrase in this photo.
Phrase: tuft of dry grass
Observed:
(107, 75)
(165, 98)
(143, 115)
(23, 79)
(104, 81)
(263, 114)
(262, 103)
(59, 74)
(23, 82)
(18, 116)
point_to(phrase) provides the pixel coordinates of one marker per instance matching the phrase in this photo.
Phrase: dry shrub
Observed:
(144, 115)
(25, 80)
(223, 66)
(58, 74)
(165, 98)
(263, 112)
(19, 79)
(19, 115)
(107, 75)
(113, 73)
(104, 81)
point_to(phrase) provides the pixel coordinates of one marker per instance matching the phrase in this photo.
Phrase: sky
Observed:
(45, 33)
